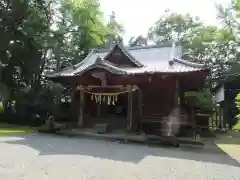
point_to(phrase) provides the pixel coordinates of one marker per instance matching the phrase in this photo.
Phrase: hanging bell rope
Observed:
(105, 94)
(109, 98)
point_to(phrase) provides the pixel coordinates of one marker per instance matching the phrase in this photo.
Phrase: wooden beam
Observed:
(216, 117)
(73, 115)
(177, 93)
(81, 108)
(137, 119)
(140, 102)
(220, 117)
(182, 94)
(129, 112)
(193, 114)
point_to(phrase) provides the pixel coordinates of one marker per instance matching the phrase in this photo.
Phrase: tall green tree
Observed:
(114, 31)
(39, 36)
(229, 53)
(172, 26)
(19, 48)
(79, 28)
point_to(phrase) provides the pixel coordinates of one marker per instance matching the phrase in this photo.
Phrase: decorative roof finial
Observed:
(98, 60)
(172, 51)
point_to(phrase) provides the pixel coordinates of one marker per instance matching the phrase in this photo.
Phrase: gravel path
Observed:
(46, 157)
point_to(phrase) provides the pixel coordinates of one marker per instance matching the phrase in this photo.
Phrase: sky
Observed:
(138, 15)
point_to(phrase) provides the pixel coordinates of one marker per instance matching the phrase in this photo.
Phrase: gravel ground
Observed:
(40, 157)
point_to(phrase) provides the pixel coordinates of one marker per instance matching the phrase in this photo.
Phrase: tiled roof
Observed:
(149, 59)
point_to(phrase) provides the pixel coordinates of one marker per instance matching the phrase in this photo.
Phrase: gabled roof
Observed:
(126, 53)
(149, 59)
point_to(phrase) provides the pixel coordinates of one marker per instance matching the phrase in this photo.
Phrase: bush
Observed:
(236, 127)
(1, 107)
(238, 105)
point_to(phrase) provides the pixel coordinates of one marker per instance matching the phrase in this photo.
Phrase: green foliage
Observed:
(236, 127)
(11, 130)
(84, 26)
(237, 101)
(210, 45)
(202, 100)
(172, 26)
(47, 35)
(1, 107)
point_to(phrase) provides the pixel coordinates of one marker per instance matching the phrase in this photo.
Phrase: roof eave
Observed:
(100, 63)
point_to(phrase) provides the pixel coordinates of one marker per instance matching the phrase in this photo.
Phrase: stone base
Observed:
(101, 128)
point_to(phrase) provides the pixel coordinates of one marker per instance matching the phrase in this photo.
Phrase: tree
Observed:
(114, 31)
(172, 26)
(209, 45)
(79, 28)
(18, 48)
(39, 36)
(229, 38)
(138, 41)
(204, 44)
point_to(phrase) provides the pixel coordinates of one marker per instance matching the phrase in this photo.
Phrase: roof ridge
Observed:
(188, 63)
(150, 46)
(168, 44)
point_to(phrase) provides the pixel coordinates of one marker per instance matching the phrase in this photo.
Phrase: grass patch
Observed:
(229, 144)
(230, 149)
(6, 131)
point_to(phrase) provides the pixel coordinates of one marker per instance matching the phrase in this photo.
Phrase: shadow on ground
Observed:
(135, 153)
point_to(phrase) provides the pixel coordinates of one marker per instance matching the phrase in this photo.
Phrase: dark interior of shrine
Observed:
(109, 110)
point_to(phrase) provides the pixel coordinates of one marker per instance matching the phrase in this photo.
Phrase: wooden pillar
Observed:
(177, 100)
(182, 95)
(81, 108)
(136, 109)
(212, 121)
(217, 116)
(129, 112)
(140, 106)
(177, 94)
(225, 119)
(193, 114)
(98, 109)
(73, 112)
(220, 117)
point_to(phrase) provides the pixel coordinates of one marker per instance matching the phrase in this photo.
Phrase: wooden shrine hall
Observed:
(133, 89)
